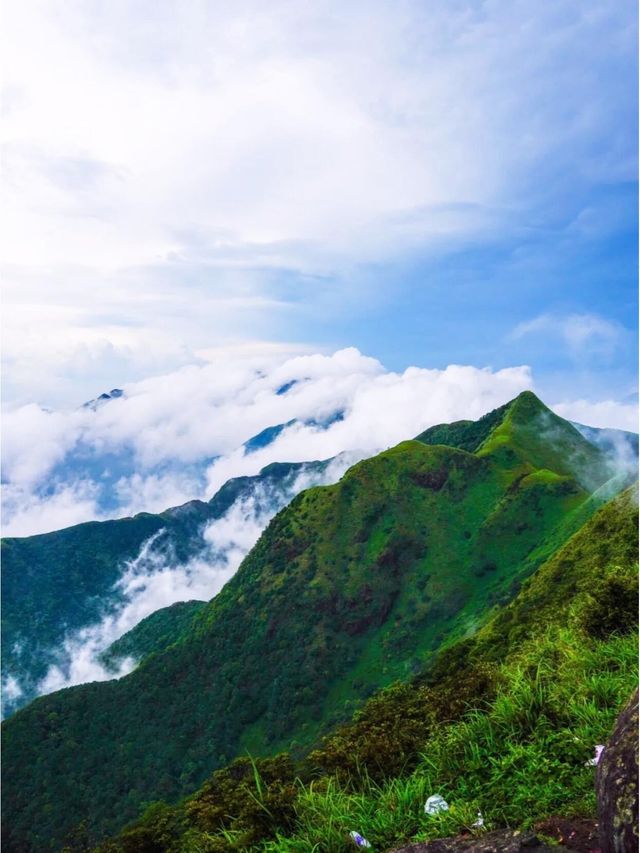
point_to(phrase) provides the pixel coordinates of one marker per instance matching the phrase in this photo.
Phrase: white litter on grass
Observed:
(592, 762)
(358, 839)
(479, 821)
(436, 804)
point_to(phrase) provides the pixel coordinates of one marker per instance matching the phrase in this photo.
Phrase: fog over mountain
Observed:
(180, 436)
(157, 576)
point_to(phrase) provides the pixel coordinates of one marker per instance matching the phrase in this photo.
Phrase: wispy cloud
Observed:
(601, 414)
(582, 334)
(155, 579)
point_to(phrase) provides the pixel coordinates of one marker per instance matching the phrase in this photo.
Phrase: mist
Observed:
(155, 579)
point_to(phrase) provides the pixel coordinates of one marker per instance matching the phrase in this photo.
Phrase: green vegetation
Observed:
(507, 732)
(155, 633)
(351, 588)
(56, 583)
(465, 435)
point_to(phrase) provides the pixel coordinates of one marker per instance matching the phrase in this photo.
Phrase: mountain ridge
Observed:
(409, 551)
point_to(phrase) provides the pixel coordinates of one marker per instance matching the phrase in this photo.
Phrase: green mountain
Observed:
(57, 583)
(350, 588)
(504, 721)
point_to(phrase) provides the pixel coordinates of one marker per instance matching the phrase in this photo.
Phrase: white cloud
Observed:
(25, 511)
(179, 436)
(11, 689)
(165, 163)
(602, 414)
(582, 334)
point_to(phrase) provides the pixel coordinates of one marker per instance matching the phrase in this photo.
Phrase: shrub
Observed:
(610, 606)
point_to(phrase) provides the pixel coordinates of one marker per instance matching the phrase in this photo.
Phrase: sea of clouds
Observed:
(180, 436)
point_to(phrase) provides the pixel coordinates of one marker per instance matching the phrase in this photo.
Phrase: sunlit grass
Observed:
(522, 760)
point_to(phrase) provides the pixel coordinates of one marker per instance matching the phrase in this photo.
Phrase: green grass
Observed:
(521, 760)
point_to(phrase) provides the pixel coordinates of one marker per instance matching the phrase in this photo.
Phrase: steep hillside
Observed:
(57, 583)
(542, 694)
(351, 587)
(465, 435)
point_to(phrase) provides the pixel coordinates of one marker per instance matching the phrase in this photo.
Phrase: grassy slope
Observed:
(562, 660)
(350, 588)
(565, 658)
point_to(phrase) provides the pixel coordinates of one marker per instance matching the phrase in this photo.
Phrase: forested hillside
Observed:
(58, 583)
(502, 724)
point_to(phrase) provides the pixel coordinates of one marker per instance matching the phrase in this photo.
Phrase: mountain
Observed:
(56, 584)
(351, 587)
(504, 721)
(114, 394)
(617, 443)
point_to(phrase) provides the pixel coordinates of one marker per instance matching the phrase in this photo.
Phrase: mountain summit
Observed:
(526, 432)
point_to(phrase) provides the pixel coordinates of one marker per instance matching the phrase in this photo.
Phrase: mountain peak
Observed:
(471, 435)
(526, 432)
(531, 434)
(527, 406)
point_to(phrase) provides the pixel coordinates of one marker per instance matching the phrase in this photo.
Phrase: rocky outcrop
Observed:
(617, 785)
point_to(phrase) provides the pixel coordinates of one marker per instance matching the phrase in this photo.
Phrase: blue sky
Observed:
(434, 183)
(468, 305)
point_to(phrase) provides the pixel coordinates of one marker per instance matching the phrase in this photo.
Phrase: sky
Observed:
(194, 187)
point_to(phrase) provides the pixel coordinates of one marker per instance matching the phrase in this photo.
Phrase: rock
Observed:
(617, 784)
(502, 841)
(579, 834)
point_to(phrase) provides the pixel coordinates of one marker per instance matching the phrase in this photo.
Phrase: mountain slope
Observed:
(576, 616)
(465, 435)
(57, 583)
(153, 634)
(350, 587)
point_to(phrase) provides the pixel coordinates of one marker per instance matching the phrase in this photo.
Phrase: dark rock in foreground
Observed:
(579, 834)
(502, 841)
(617, 785)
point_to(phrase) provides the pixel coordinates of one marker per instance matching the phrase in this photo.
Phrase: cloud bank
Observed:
(180, 436)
